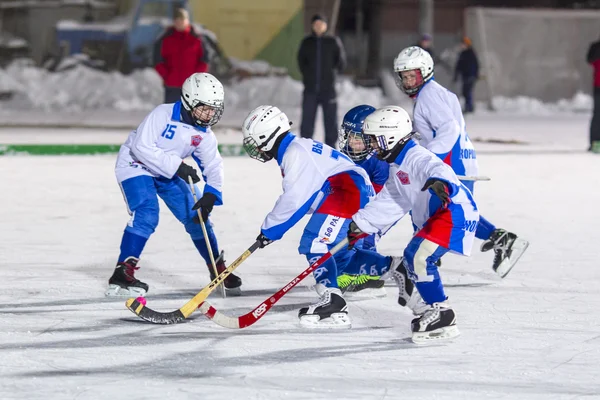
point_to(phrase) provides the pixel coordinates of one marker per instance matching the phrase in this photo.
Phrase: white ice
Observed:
(533, 335)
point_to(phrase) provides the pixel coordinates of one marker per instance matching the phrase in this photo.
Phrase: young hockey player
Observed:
(442, 209)
(352, 143)
(439, 120)
(150, 165)
(320, 180)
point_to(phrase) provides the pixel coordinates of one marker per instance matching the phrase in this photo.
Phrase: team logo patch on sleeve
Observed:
(403, 176)
(196, 139)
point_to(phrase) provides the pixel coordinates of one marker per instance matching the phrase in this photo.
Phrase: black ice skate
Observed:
(436, 324)
(123, 282)
(508, 248)
(330, 311)
(408, 295)
(232, 283)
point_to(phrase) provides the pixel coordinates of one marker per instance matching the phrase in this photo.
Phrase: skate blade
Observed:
(516, 251)
(335, 321)
(118, 291)
(233, 292)
(442, 334)
(366, 294)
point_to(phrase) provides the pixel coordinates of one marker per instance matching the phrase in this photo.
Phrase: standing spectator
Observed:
(320, 57)
(467, 67)
(593, 58)
(178, 53)
(426, 43)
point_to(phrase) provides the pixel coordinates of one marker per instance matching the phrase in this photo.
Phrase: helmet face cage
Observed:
(413, 90)
(207, 120)
(383, 142)
(354, 144)
(252, 147)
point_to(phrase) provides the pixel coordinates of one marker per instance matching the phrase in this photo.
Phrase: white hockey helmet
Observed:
(387, 127)
(409, 59)
(261, 128)
(202, 89)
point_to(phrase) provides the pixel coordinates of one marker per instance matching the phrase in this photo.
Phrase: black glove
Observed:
(185, 170)
(353, 233)
(205, 204)
(263, 241)
(440, 189)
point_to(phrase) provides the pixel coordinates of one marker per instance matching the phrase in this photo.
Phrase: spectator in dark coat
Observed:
(467, 67)
(320, 58)
(178, 53)
(593, 58)
(426, 43)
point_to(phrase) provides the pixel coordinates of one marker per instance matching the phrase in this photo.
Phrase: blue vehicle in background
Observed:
(127, 42)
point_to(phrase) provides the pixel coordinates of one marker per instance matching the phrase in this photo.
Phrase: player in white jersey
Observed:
(150, 165)
(321, 181)
(442, 209)
(439, 121)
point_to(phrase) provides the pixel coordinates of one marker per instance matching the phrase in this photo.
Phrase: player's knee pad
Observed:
(144, 220)
(416, 257)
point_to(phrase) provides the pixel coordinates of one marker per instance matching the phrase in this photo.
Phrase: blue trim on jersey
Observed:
(176, 115)
(366, 191)
(276, 232)
(456, 161)
(210, 189)
(409, 145)
(434, 133)
(207, 187)
(289, 137)
(457, 234)
(378, 170)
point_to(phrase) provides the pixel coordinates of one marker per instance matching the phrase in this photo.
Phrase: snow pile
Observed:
(286, 93)
(10, 41)
(78, 87)
(522, 105)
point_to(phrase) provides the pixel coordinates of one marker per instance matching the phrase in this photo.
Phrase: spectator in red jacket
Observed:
(178, 53)
(593, 58)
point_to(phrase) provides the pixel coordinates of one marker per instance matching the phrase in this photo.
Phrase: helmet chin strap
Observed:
(391, 155)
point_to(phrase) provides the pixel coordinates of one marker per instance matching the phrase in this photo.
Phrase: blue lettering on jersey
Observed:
(169, 131)
(470, 226)
(318, 148)
(466, 154)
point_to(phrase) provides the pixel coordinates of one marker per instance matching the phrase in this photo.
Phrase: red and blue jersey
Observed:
(452, 227)
(316, 178)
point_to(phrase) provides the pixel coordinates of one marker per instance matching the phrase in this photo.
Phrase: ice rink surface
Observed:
(533, 335)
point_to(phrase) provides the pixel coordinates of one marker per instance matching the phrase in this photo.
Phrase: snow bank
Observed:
(80, 88)
(522, 105)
